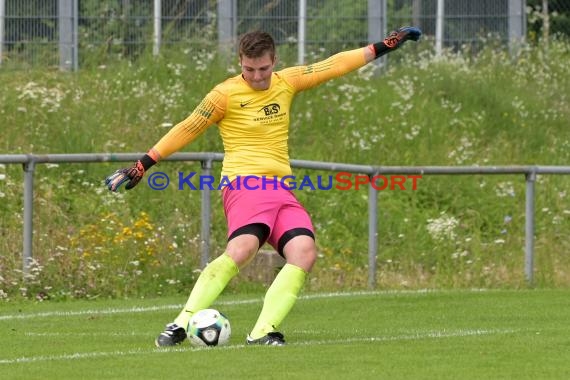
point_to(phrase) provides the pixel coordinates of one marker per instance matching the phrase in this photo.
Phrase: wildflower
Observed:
(456, 255)
(505, 189)
(442, 228)
(463, 152)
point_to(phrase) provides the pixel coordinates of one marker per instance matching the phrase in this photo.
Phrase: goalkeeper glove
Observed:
(396, 39)
(133, 174)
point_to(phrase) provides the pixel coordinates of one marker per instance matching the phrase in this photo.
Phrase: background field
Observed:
(493, 108)
(472, 334)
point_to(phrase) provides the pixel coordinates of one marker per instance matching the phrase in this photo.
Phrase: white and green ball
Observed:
(209, 327)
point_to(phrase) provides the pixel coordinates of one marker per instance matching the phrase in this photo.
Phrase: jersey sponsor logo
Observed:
(271, 109)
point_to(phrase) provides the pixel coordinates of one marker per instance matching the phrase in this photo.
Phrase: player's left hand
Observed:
(395, 40)
(398, 37)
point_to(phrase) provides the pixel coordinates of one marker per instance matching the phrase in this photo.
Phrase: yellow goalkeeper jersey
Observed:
(254, 124)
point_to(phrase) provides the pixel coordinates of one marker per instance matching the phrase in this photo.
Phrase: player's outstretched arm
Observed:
(305, 77)
(392, 42)
(208, 112)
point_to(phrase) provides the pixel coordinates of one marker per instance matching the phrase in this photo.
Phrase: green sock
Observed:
(279, 300)
(208, 287)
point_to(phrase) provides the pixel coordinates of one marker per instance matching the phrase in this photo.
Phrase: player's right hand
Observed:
(133, 175)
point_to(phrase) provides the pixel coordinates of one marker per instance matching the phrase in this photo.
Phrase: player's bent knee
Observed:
(242, 249)
(298, 247)
(244, 242)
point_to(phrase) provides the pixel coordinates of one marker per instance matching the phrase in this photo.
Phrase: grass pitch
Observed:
(506, 334)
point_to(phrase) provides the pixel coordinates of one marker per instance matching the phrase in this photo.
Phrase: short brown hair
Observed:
(256, 44)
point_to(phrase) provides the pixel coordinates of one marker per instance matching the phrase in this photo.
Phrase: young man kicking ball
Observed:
(252, 111)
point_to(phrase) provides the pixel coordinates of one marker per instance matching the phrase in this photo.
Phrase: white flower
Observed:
(442, 228)
(505, 189)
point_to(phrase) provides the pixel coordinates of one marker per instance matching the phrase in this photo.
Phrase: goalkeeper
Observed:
(252, 111)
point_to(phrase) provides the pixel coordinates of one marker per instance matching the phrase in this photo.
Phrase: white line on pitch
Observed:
(416, 336)
(238, 302)
(76, 334)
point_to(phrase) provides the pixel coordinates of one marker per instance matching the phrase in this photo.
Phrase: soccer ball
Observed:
(209, 327)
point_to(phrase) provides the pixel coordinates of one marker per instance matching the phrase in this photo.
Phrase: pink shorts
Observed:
(267, 203)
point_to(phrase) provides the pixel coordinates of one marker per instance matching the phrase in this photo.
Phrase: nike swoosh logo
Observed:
(243, 104)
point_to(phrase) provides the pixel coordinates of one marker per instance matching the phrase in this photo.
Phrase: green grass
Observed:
(477, 334)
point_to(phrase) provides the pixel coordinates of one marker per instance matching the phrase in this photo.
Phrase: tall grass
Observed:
(491, 109)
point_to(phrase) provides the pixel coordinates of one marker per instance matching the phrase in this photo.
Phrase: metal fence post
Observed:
(2, 23)
(67, 22)
(28, 213)
(372, 234)
(439, 27)
(157, 27)
(377, 24)
(227, 25)
(206, 208)
(516, 23)
(529, 226)
(301, 32)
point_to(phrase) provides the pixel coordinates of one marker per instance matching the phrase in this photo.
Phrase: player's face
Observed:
(257, 71)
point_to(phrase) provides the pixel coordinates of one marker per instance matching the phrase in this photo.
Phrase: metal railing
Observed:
(29, 162)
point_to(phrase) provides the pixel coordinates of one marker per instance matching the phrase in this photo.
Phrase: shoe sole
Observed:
(157, 344)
